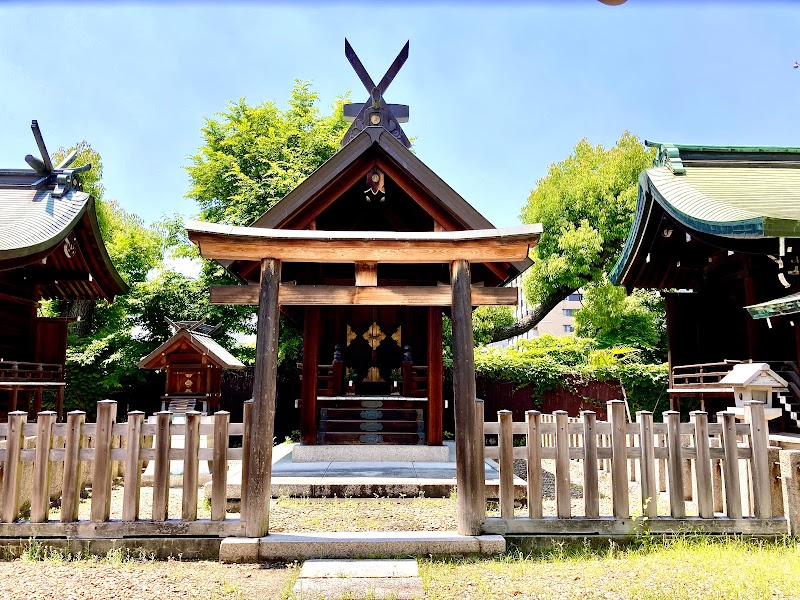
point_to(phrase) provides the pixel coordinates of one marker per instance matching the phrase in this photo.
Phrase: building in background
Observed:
(559, 321)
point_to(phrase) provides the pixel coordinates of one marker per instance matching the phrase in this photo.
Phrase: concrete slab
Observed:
(405, 588)
(359, 568)
(295, 546)
(239, 550)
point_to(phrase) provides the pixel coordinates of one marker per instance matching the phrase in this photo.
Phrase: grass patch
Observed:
(36, 551)
(687, 567)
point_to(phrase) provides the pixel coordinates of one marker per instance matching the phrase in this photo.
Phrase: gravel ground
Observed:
(147, 580)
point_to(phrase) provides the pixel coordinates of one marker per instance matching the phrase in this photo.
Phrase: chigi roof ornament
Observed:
(375, 112)
(61, 176)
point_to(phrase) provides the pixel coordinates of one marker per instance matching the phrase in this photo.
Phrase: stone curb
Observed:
(295, 546)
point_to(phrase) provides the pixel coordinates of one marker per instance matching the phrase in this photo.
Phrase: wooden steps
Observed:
(371, 420)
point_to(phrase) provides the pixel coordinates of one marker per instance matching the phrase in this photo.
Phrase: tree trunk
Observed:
(532, 319)
(83, 310)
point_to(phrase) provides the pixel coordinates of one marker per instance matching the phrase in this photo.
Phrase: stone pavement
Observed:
(331, 579)
(362, 479)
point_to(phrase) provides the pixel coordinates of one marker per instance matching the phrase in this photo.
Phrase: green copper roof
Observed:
(730, 192)
(787, 305)
(731, 201)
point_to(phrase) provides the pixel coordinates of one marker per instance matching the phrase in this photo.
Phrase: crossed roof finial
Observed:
(64, 178)
(375, 112)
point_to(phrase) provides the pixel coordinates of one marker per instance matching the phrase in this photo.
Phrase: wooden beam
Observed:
(308, 387)
(366, 274)
(259, 473)
(225, 242)
(338, 295)
(469, 450)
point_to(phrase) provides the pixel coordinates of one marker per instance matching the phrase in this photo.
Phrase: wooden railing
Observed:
(32, 379)
(699, 376)
(101, 455)
(715, 453)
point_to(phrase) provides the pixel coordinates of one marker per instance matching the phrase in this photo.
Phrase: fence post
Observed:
(702, 465)
(506, 444)
(191, 462)
(775, 490)
(790, 483)
(12, 474)
(101, 476)
(619, 459)
(591, 492)
(247, 425)
(563, 491)
(754, 415)
(647, 464)
(219, 476)
(677, 502)
(730, 467)
(42, 468)
(133, 467)
(716, 476)
(479, 472)
(161, 468)
(71, 490)
(534, 448)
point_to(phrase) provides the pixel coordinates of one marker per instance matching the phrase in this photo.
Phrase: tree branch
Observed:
(533, 318)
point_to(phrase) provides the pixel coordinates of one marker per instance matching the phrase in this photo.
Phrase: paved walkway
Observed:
(360, 479)
(331, 579)
(282, 466)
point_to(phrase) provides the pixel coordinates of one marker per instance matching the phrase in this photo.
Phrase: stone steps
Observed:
(381, 421)
(330, 579)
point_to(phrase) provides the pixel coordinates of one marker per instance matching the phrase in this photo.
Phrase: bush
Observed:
(548, 362)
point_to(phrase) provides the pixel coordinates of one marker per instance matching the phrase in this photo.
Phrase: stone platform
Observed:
(369, 453)
(364, 479)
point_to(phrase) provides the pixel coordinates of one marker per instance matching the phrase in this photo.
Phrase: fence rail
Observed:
(715, 452)
(91, 444)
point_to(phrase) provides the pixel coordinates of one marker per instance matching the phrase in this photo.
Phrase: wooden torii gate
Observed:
(272, 247)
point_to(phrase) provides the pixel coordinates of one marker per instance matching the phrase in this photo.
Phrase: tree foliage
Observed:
(254, 155)
(585, 205)
(614, 318)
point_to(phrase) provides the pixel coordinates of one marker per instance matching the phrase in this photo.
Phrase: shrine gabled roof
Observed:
(455, 204)
(35, 221)
(202, 343)
(375, 142)
(724, 192)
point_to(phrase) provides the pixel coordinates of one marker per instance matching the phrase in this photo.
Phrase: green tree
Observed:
(252, 156)
(614, 318)
(585, 205)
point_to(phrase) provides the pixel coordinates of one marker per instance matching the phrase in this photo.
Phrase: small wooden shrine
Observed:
(193, 362)
(50, 248)
(718, 228)
(366, 244)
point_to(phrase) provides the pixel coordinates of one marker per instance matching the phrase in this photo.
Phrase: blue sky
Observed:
(497, 91)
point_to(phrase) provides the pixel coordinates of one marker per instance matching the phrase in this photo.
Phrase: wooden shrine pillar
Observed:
(435, 375)
(469, 449)
(752, 326)
(670, 309)
(259, 472)
(308, 388)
